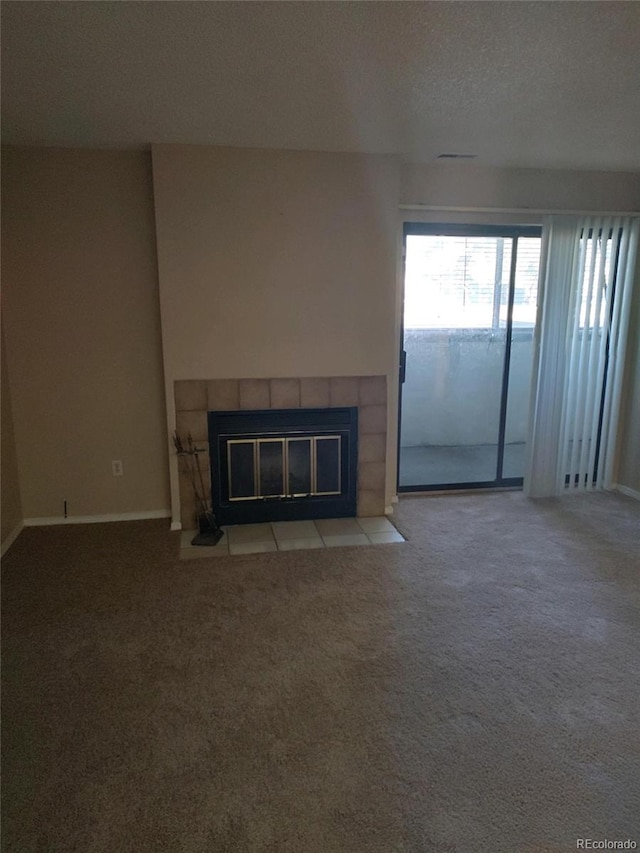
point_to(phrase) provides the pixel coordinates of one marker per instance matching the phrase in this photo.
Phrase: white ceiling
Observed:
(532, 84)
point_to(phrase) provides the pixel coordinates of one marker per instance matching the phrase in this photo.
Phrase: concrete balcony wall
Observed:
(452, 391)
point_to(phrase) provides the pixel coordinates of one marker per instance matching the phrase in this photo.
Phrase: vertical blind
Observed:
(586, 282)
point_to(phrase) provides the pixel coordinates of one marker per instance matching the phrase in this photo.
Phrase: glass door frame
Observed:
(512, 232)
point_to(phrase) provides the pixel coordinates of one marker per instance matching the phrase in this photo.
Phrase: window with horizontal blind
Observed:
(457, 281)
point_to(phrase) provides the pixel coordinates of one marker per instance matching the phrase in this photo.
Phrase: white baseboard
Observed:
(11, 538)
(625, 490)
(45, 521)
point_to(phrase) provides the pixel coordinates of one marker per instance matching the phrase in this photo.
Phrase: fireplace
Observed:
(195, 398)
(283, 464)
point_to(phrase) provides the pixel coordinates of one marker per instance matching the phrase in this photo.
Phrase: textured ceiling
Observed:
(542, 84)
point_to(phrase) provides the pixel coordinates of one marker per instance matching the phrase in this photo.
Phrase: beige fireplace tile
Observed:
(300, 544)
(241, 533)
(205, 470)
(285, 393)
(184, 480)
(379, 524)
(343, 391)
(283, 530)
(371, 476)
(386, 538)
(252, 548)
(188, 514)
(190, 395)
(372, 390)
(314, 393)
(372, 447)
(186, 486)
(337, 526)
(223, 395)
(372, 419)
(254, 393)
(342, 540)
(194, 423)
(370, 502)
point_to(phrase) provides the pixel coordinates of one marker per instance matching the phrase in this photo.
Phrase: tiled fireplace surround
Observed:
(195, 397)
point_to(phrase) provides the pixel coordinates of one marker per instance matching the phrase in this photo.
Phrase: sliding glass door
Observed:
(470, 298)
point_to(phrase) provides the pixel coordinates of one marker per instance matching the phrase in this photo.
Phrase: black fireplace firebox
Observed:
(283, 464)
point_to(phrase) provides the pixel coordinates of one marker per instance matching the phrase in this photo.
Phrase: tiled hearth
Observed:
(294, 536)
(194, 398)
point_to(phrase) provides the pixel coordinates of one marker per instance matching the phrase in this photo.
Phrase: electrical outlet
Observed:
(116, 468)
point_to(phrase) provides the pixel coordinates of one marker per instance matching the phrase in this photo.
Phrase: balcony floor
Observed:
(438, 465)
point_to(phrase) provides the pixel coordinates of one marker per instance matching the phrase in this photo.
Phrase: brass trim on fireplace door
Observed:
(284, 441)
(314, 465)
(256, 469)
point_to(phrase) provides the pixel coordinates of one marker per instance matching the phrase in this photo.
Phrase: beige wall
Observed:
(275, 264)
(80, 308)
(272, 263)
(11, 510)
(467, 185)
(629, 447)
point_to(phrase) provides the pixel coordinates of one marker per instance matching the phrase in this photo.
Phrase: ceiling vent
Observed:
(449, 156)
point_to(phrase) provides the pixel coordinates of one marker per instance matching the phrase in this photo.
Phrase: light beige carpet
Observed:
(476, 689)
